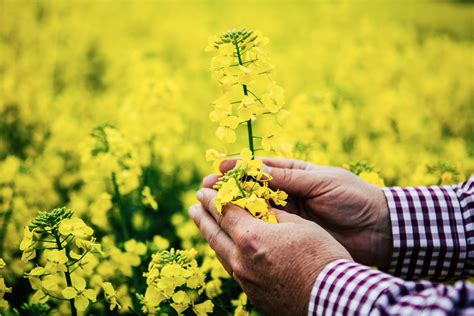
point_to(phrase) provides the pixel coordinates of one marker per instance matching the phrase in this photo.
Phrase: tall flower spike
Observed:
(243, 70)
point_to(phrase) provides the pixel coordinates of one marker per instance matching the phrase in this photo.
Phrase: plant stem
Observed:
(122, 216)
(67, 275)
(3, 231)
(249, 122)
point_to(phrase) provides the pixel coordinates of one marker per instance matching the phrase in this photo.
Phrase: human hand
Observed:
(350, 209)
(275, 264)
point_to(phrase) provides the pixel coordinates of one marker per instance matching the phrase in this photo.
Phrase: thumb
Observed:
(293, 181)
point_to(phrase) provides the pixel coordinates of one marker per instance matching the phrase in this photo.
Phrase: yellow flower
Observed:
(75, 226)
(181, 301)
(226, 134)
(204, 308)
(56, 261)
(279, 197)
(372, 177)
(135, 247)
(216, 158)
(34, 277)
(240, 305)
(160, 242)
(148, 199)
(257, 206)
(89, 245)
(213, 288)
(79, 293)
(227, 192)
(110, 295)
(27, 240)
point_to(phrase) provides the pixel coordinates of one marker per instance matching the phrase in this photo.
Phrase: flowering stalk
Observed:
(244, 86)
(122, 214)
(61, 238)
(67, 273)
(240, 62)
(116, 159)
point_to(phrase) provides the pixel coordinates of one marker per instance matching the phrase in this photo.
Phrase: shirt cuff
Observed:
(347, 288)
(429, 238)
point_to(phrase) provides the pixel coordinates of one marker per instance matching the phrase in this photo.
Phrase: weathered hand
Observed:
(275, 264)
(350, 209)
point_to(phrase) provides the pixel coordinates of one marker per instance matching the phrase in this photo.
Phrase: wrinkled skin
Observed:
(331, 214)
(350, 209)
(275, 264)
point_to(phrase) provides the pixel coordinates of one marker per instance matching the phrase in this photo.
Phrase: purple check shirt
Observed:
(433, 239)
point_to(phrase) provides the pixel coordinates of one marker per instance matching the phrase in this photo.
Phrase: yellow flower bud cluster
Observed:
(244, 73)
(67, 245)
(174, 279)
(107, 153)
(246, 185)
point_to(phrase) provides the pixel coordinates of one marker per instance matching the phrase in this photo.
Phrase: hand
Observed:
(350, 209)
(275, 264)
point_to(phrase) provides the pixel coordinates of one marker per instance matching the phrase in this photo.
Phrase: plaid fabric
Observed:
(349, 288)
(433, 238)
(430, 227)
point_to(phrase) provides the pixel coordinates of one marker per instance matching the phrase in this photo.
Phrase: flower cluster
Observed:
(242, 69)
(174, 280)
(66, 244)
(109, 153)
(246, 185)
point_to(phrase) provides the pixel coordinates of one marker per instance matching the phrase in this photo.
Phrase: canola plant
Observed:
(110, 117)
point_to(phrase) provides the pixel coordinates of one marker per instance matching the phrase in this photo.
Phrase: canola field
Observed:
(112, 112)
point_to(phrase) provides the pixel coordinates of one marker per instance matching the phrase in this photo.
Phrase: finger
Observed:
(227, 164)
(295, 182)
(215, 236)
(288, 163)
(210, 180)
(232, 219)
(285, 217)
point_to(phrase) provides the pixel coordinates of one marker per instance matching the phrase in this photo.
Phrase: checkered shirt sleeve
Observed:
(433, 231)
(349, 288)
(433, 238)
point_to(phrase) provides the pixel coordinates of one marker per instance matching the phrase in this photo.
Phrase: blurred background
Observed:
(387, 84)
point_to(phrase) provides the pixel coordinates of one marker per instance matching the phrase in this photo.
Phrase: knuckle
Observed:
(238, 269)
(287, 175)
(247, 240)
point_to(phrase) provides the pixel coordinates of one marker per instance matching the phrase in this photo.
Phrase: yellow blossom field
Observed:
(112, 112)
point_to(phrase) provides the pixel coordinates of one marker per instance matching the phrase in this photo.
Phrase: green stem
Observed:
(249, 122)
(67, 274)
(240, 188)
(3, 231)
(122, 215)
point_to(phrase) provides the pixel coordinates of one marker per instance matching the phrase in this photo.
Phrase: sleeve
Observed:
(349, 288)
(433, 231)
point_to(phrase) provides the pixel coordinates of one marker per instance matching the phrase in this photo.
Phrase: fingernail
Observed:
(199, 195)
(192, 211)
(266, 169)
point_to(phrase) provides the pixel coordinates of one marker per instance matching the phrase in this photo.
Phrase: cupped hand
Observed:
(350, 209)
(275, 264)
